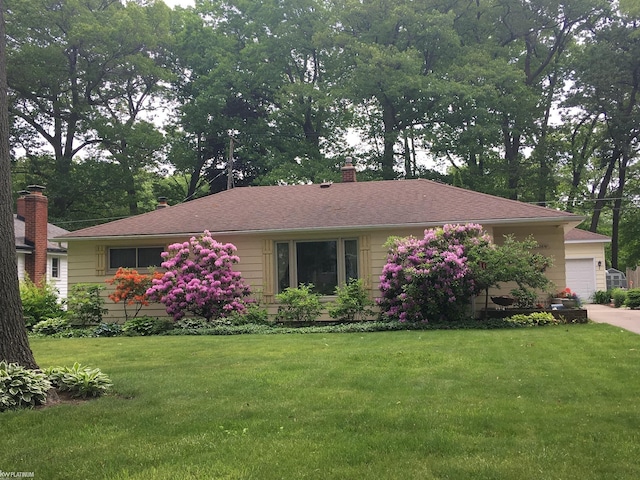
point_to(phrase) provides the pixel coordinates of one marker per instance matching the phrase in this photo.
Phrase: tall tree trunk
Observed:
(615, 232)
(196, 174)
(541, 150)
(617, 213)
(581, 151)
(602, 192)
(390, 138)
(14, 344)
(512, 142)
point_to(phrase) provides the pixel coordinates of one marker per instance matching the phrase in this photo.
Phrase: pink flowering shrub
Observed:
(199, 279)
(432, 278)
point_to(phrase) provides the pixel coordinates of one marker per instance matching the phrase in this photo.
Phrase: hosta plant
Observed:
(51, 326)
(147, 326)
(79, 381)
(21, 387)
(107, 330)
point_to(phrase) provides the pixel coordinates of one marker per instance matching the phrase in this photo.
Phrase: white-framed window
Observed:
(135, 257)
(323, 263)
(55, 267)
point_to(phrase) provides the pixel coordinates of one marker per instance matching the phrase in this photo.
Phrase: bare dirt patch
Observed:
(55, 397)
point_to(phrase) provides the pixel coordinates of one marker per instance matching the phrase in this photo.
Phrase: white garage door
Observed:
(581, 277)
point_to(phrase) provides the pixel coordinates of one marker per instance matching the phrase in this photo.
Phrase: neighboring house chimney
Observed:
(348, 171)
(35, 232)
(162, 203)
(20, 204)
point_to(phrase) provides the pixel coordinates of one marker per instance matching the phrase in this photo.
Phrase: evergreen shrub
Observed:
(85, 305)
(352, 302)
(299, 304)
(633, 298)
(619, 297)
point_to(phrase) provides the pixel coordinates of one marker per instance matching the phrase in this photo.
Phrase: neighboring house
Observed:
(320, 234)
(585, 262)
(38, 258)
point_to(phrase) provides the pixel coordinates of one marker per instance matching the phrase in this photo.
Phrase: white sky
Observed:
(181, 3)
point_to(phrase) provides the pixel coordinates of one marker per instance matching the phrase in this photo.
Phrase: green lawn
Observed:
(547, 403)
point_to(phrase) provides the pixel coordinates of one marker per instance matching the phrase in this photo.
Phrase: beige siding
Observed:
(88, 264)
(87, 259)
(594, 250)
(551, 244)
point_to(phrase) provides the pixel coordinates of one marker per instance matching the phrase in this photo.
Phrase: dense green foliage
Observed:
(298, 304)
(602, 297)
(533, 101)
(51, 326)
(633, 298)
(619, 296)
(352, 302)
(85, 306)
(146, 326)
(39, 302)
(254, 313)
(107, 330)
(260, 325)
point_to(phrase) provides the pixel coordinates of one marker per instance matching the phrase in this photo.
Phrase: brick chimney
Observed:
(20, 204)
(35, 231)
(162, 203)
(348, 171)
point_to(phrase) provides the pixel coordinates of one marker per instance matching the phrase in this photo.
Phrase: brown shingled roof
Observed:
(340, 205)
(578, 235)
(52, 231)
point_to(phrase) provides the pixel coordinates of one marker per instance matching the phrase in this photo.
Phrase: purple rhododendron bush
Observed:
(431, 279)
(200, 279)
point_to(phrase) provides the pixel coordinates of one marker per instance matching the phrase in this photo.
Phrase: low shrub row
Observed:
(620, 297)
(145, 326)
(25, 388)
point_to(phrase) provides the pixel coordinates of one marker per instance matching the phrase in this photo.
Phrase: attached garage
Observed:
(581, 277)
(585, 262)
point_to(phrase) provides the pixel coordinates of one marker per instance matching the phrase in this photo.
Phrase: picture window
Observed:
(135, 257)
(323, 263)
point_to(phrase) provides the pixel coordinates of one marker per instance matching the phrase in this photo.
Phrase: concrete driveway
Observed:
(620, 317)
